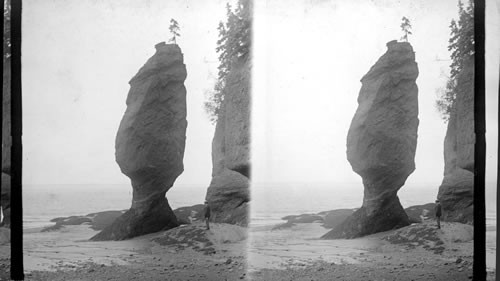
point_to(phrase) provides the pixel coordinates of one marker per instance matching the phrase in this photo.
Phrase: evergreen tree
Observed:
(6, 31)
(461, 45)
(174, 30)
(233, 46)
(406, 28)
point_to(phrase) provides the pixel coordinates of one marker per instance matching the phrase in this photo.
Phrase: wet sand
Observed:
(66, 254)
(417, 252)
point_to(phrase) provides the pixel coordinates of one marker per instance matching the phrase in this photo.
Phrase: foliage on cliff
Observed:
(233, 47)
(6, 30)
(461, 45)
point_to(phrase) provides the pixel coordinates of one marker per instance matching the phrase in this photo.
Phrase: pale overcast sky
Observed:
(310, 58)
(78, 57)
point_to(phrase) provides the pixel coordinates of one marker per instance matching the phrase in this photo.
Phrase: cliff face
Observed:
(6, 144)
(456, 192)
(382, 140)
(228, 193)
(150, 143)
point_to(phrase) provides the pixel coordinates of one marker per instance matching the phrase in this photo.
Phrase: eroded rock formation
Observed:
(150, 143)
(382, 140)
(228, 194)
(456, 193)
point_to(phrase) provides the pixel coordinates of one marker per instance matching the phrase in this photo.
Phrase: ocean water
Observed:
(41, 203)
(270, 202)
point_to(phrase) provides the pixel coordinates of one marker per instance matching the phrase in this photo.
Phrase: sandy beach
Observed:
(66, 254)
(189, 252)
(416, 252)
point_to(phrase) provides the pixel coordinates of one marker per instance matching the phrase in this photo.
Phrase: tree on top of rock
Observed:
(174, 30)
(461, 45)
(406, 28)
(233, 47)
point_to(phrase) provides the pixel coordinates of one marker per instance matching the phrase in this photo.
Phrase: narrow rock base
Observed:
(390, 215)
(135, 222)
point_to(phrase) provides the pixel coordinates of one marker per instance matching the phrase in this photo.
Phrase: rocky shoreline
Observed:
(419, 251)
(189, 252)
(330, 219)
(100, 220)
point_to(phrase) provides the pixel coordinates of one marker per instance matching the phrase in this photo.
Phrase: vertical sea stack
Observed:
(150, 143)
(456, 193)
(382, 140)
(228, 193)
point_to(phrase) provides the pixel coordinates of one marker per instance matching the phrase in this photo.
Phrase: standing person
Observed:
(207, 214)
(437, 209)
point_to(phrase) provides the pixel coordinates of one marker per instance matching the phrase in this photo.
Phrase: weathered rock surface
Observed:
(328, 219)
(426, 236)
(333, 218)
(196, 237)
(6, 145)
(150, 143)
(190, 214)
(228, 194)
(101, 220)
(96, 221)
(456, 192)
(382, 141)
(420, 213)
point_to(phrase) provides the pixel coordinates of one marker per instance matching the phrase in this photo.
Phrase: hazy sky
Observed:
(310, 58)
(78, 57)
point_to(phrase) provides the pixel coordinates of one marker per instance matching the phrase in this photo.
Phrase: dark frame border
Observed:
(479, 266)
(17, 268)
